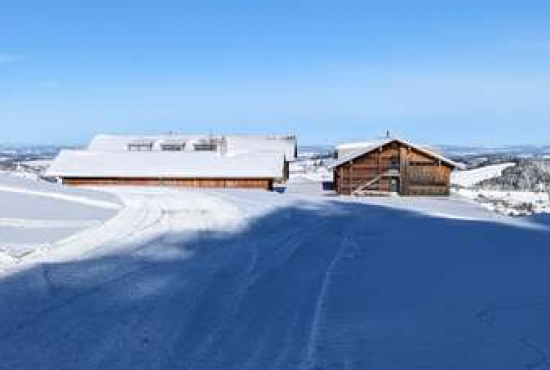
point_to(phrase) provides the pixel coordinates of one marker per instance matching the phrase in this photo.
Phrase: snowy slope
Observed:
(35, 213)
(469, 178)
(257, 280)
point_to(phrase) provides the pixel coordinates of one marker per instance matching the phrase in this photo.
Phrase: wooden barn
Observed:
(171, 168)
(213, 161)
(393, 166)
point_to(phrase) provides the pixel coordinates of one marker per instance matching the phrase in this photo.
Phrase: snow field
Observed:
(470, 178)
(34, 214)
(254, 280)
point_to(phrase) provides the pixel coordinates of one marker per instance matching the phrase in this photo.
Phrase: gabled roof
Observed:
(257, 144)
(358, 145)
(165, 164)
(381, 143)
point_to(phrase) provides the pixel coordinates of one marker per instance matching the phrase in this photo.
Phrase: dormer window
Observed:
(141, 145)
(207, 146)
(173, 145)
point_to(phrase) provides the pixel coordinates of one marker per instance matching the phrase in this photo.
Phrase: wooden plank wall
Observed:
(265, 184)
(424, 175)
(353, 174)
(420, 173)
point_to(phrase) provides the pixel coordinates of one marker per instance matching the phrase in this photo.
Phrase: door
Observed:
(394, 185)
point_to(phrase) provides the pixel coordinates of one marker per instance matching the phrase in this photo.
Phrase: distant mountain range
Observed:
(522, 151)
(465, 151)
(454, 151)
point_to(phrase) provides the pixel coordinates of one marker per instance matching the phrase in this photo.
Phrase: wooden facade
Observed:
(394, 167)
(265, 184)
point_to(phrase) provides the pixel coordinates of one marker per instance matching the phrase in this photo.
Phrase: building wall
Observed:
(265, 184)
(420, 174)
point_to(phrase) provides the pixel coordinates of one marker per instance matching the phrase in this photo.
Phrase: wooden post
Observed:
(403, 164)
(351, 176)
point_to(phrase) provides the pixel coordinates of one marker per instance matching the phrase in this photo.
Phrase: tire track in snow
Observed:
(39, 316)
(311, 357)
(348, 247)
(145, 223)
(251, 274)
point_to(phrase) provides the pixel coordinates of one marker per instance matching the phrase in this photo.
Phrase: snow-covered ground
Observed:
(34, 214)
(183, 279)
(513, 203)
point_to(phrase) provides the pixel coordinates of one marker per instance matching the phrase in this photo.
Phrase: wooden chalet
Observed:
(393, 166)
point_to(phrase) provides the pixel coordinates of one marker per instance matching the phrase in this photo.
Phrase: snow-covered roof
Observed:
(357, 145)
(253, 144)
(126, 164)
(286, 145)
(380, 143)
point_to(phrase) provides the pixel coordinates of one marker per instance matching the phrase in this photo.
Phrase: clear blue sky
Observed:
(331, 71)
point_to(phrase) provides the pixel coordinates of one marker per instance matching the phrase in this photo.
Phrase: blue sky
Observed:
(331, 71)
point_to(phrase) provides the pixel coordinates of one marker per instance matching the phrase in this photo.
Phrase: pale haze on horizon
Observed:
(452, 72)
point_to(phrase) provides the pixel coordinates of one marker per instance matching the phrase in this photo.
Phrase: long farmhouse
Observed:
(224, 161)
(391, 166)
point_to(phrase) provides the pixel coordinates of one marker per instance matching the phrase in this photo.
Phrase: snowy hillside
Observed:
(502, 188)
(472, 177)
(34, 214)
(528, 175)
(256, 280)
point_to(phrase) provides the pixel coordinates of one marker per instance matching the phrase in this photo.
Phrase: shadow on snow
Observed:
(348, 286)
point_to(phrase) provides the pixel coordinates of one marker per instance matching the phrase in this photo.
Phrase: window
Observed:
(421, 164)
(205, 147)
(140, 147)
(173, 147)
(395, 163)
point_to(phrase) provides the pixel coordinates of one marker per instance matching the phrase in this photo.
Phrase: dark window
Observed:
(205, 147)
(173, 147)
(395, 163)
(421, 164)
(140, 147)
